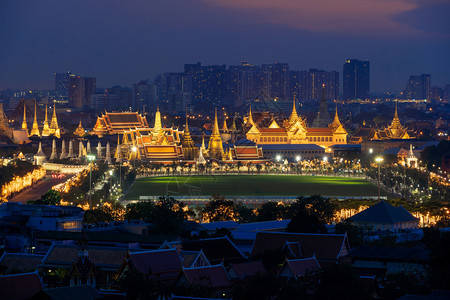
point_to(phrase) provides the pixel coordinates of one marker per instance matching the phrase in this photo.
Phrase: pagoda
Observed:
(215, 147)
(323, 118)
(54, 128)
(35, 128)
(24, 122)
(46, 128)
(80, 132)
(189, 149)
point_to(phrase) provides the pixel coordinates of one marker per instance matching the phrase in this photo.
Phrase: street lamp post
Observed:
(379, 160)
(90, 158)
(110, 184)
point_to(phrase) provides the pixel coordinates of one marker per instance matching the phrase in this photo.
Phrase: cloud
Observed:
(373, 17)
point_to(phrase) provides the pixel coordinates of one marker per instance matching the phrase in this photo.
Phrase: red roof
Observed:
(163, 264)
(211, 276)
(20, 286)
(323, 246)
(272, 130)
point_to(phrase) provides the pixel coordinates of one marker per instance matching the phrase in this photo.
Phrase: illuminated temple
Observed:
(394, 131)
(118, 122)
(296, 131)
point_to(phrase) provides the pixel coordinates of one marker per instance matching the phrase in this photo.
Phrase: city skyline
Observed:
(121, 44)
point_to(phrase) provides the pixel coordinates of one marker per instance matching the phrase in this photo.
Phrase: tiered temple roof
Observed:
(118, 123)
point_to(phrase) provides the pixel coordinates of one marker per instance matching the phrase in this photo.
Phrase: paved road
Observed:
(36, 191)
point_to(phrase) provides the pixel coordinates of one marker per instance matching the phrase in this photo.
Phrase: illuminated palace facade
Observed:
(168, 144)
(295, 131)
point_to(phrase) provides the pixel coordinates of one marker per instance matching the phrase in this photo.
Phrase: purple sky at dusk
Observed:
(121, 42)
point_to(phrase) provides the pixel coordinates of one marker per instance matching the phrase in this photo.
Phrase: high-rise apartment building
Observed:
(145, 96)
(244, 83)
(418, 87)
(80, 90)
(356, 79)
(206, 84)
(62, 82)
(276, 80)
(312, 81)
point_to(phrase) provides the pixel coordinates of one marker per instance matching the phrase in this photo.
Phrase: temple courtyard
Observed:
(251, 185)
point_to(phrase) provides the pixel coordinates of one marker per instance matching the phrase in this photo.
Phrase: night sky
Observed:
(123, 41)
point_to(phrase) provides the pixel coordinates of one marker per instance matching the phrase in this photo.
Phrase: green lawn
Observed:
(251, 185)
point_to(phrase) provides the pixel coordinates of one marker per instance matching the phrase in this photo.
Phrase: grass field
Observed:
(251, 185)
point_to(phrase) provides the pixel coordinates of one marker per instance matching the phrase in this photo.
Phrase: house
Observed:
(296, 268)
(217, 250)
(327, 248)
(107, 259)
(20, 286)
(384, 216)
(162, 265)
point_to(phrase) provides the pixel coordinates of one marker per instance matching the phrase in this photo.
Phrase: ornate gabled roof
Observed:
(273, 124)
(336, 125)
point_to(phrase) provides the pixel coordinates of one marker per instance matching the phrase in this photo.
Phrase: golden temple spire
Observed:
(216, 126)
(250, 116)
(54, 128)
(35, 128)
(24, 122)
(158, 126)
(294, 115)
(396, 120)
(46, 129)
(215, 147)
(224, 126)
(233, 125)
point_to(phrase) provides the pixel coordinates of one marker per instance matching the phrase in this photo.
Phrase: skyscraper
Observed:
(276, 80)
(418, 87)
(311, 83)
(80, 90)
(62, 82)
(356, 79)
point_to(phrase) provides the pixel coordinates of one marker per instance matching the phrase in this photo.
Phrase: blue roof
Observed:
(347, 146)
(244, 142)
(383, 213)
(291, 147)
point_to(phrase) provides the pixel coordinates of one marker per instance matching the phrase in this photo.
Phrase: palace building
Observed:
(296, 131)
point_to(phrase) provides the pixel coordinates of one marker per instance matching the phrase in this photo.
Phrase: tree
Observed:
(49, 198)
(270, 211)
(311, 214)
(219, 209)
(258, 168)
(354, 233)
